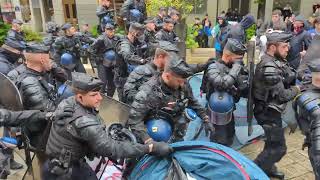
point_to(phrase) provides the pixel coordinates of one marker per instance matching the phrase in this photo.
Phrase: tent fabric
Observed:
(200, 160)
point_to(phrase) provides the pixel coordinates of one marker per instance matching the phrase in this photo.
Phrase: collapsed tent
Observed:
(198, 160)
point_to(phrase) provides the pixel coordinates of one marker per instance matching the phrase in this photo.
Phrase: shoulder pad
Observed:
(59, 39)
(28, 80)
(144, 69)
(11, 34)
(213, 65)
(86, 121)
(310, 101)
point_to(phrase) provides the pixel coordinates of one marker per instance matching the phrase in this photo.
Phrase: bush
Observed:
(251, 31)
(95, 34)
(191, 36)
(94, 31)
(4, 28)
(184, 6)
(32, 36)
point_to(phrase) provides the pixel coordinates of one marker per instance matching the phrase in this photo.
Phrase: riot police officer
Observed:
(223, 77)
(307, 106)
(69, 45)
(150, 30)
(103, 53)
(167, 33)
(133, 11)
(86, 39)
(37, 94)
(127, 50)
(52, 34)
(273, 87)
(83, 134)
(105, 15)
(143, 73)
(11, 50)
(165, 97)
(160, 18)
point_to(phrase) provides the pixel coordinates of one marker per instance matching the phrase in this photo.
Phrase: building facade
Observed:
(35, 13)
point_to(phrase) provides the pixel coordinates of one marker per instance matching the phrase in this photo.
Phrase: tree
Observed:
(184, 6)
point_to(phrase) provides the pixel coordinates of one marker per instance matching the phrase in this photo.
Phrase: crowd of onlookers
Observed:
(303, 29)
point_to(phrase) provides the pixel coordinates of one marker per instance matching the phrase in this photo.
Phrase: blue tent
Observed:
(198, 160)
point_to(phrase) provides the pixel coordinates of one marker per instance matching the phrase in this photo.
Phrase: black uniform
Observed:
(272, 89)
(10, 52)
(83, 134)
(229, 78)
(102, 12)
(143, 73)
(52, 34)
(128, 5)
(105, 71)
(307, 107)
(136, 79)
(128, 58)
(164, 35)
(71, 45)
(155, 96)
(159, 22)
(86, 39)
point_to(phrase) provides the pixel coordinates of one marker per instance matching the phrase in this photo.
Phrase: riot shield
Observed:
(10, 97)
(113, 111)
(250, 55)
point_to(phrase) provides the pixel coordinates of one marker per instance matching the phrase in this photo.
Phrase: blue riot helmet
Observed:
(67, 61)
(107, 20)
(135, 15)
(220, 107)
(65, 91)
(159, 129)
(109, 58)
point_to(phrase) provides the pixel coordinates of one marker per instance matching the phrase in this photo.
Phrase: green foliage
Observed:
(4, 28)
(184, 6)
(191, 36)
(259, 2)
(32, 36)
(120, 30)
(95, 34)
(94, 31)
(251, 31)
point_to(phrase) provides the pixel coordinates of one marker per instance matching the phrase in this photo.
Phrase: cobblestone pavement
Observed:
(295, 164)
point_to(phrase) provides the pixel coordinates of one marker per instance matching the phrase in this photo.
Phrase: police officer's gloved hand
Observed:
(66, 112)
(228, 82)
(160, 149)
